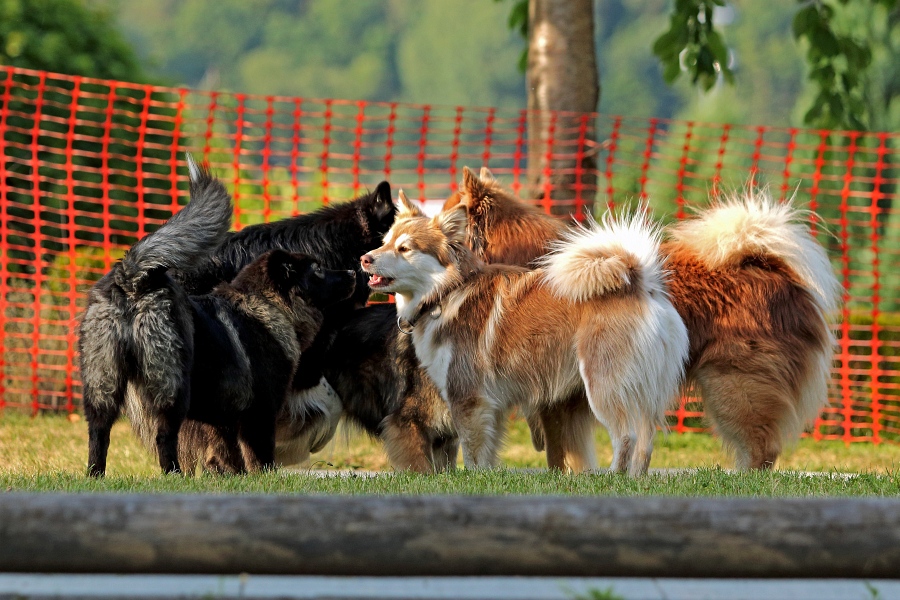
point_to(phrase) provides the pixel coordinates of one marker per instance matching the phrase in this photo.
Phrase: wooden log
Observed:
(419, 536)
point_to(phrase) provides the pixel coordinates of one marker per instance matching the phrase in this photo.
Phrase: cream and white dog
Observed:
(595, 317)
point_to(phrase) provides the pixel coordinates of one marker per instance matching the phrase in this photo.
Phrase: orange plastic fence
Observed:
(89, 166)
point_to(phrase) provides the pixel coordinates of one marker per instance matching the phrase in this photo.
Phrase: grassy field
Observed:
(48, 453)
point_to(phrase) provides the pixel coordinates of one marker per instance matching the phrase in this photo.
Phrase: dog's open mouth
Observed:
(379, 281)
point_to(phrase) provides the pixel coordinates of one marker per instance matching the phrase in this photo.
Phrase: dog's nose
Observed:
(367, 260)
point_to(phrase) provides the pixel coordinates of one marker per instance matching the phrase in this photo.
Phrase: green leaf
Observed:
(717, 47)
(825, 41)
(805, 19)
(670, 43)
(849, 80)
(835, 106)
(824, 74)
(671, 71)
(687, 6)
(814, 115)
(518, 18)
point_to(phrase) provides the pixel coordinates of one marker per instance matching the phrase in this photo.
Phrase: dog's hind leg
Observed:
(104, 371)
(168, 424)
(569, 434)
(622, 443)
(610, 410)
(639, 461)
(746, 411)
(100, 417)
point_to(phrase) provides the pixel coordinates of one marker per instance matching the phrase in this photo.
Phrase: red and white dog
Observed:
(595, 318)
(754, 289)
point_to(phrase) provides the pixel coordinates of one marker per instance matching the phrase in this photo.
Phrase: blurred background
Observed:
(285, 99)
(451, 52)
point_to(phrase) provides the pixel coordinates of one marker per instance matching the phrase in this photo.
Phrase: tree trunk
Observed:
(562, 76)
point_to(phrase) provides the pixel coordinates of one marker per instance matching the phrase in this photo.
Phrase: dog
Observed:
(384, 390)
(595, 316)
(225, 359)
(753, 287)
(336, 235)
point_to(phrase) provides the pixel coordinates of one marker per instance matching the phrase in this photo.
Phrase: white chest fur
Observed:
(435, 357)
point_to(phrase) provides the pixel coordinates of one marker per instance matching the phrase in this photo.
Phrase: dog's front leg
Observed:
(476, 421)
(257, 442)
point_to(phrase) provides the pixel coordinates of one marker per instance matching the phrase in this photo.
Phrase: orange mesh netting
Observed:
(89, 166)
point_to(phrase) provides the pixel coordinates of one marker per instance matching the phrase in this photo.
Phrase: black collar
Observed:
(430, 306)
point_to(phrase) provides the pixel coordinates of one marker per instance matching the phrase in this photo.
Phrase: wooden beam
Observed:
(438, 535)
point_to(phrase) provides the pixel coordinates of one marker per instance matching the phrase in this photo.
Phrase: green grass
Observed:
(498, 482)
(48, 453)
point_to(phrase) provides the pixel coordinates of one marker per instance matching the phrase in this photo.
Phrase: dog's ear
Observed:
(486, 175)
(453, 201)
(384, 204)
(452, 224)
(473, 189)
(476, 193)
(282, 266)
(470, 182)
(407, 208)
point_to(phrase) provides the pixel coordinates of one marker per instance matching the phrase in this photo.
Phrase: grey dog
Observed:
(225, 359)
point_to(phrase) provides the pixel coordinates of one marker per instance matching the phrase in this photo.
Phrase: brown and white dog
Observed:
(595, 317)
(753, 287)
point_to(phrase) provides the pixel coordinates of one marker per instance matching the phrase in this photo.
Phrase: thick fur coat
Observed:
(754, 289)
(336, 236)
(595, 317)
(225, 359)
(373, 367)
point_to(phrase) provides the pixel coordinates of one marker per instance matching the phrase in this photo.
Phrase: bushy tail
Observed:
(187, 236)
(755, 225)
(619, 253)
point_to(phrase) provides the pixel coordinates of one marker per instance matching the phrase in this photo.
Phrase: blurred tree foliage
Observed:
(65, 36)
(850, 48)
(449, 52)
(76, 38)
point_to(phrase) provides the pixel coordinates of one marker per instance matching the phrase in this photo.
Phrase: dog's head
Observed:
(300, 277)
(501, 228)
(294, 281)
(482, 197)
(420, 255)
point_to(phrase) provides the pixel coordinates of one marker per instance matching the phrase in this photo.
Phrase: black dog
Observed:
(225, 359)
(336, 235)
(384, 390)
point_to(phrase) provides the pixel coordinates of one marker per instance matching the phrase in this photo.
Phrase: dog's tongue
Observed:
(376, 279)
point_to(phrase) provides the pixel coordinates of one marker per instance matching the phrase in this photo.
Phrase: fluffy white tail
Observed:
(599, 258)
(754, 224)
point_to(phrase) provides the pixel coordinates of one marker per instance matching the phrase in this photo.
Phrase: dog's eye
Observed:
(320, 273)
(403, 249)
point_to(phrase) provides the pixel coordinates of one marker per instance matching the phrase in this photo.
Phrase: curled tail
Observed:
(755, 225)
(618, 254)
(187, 236)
